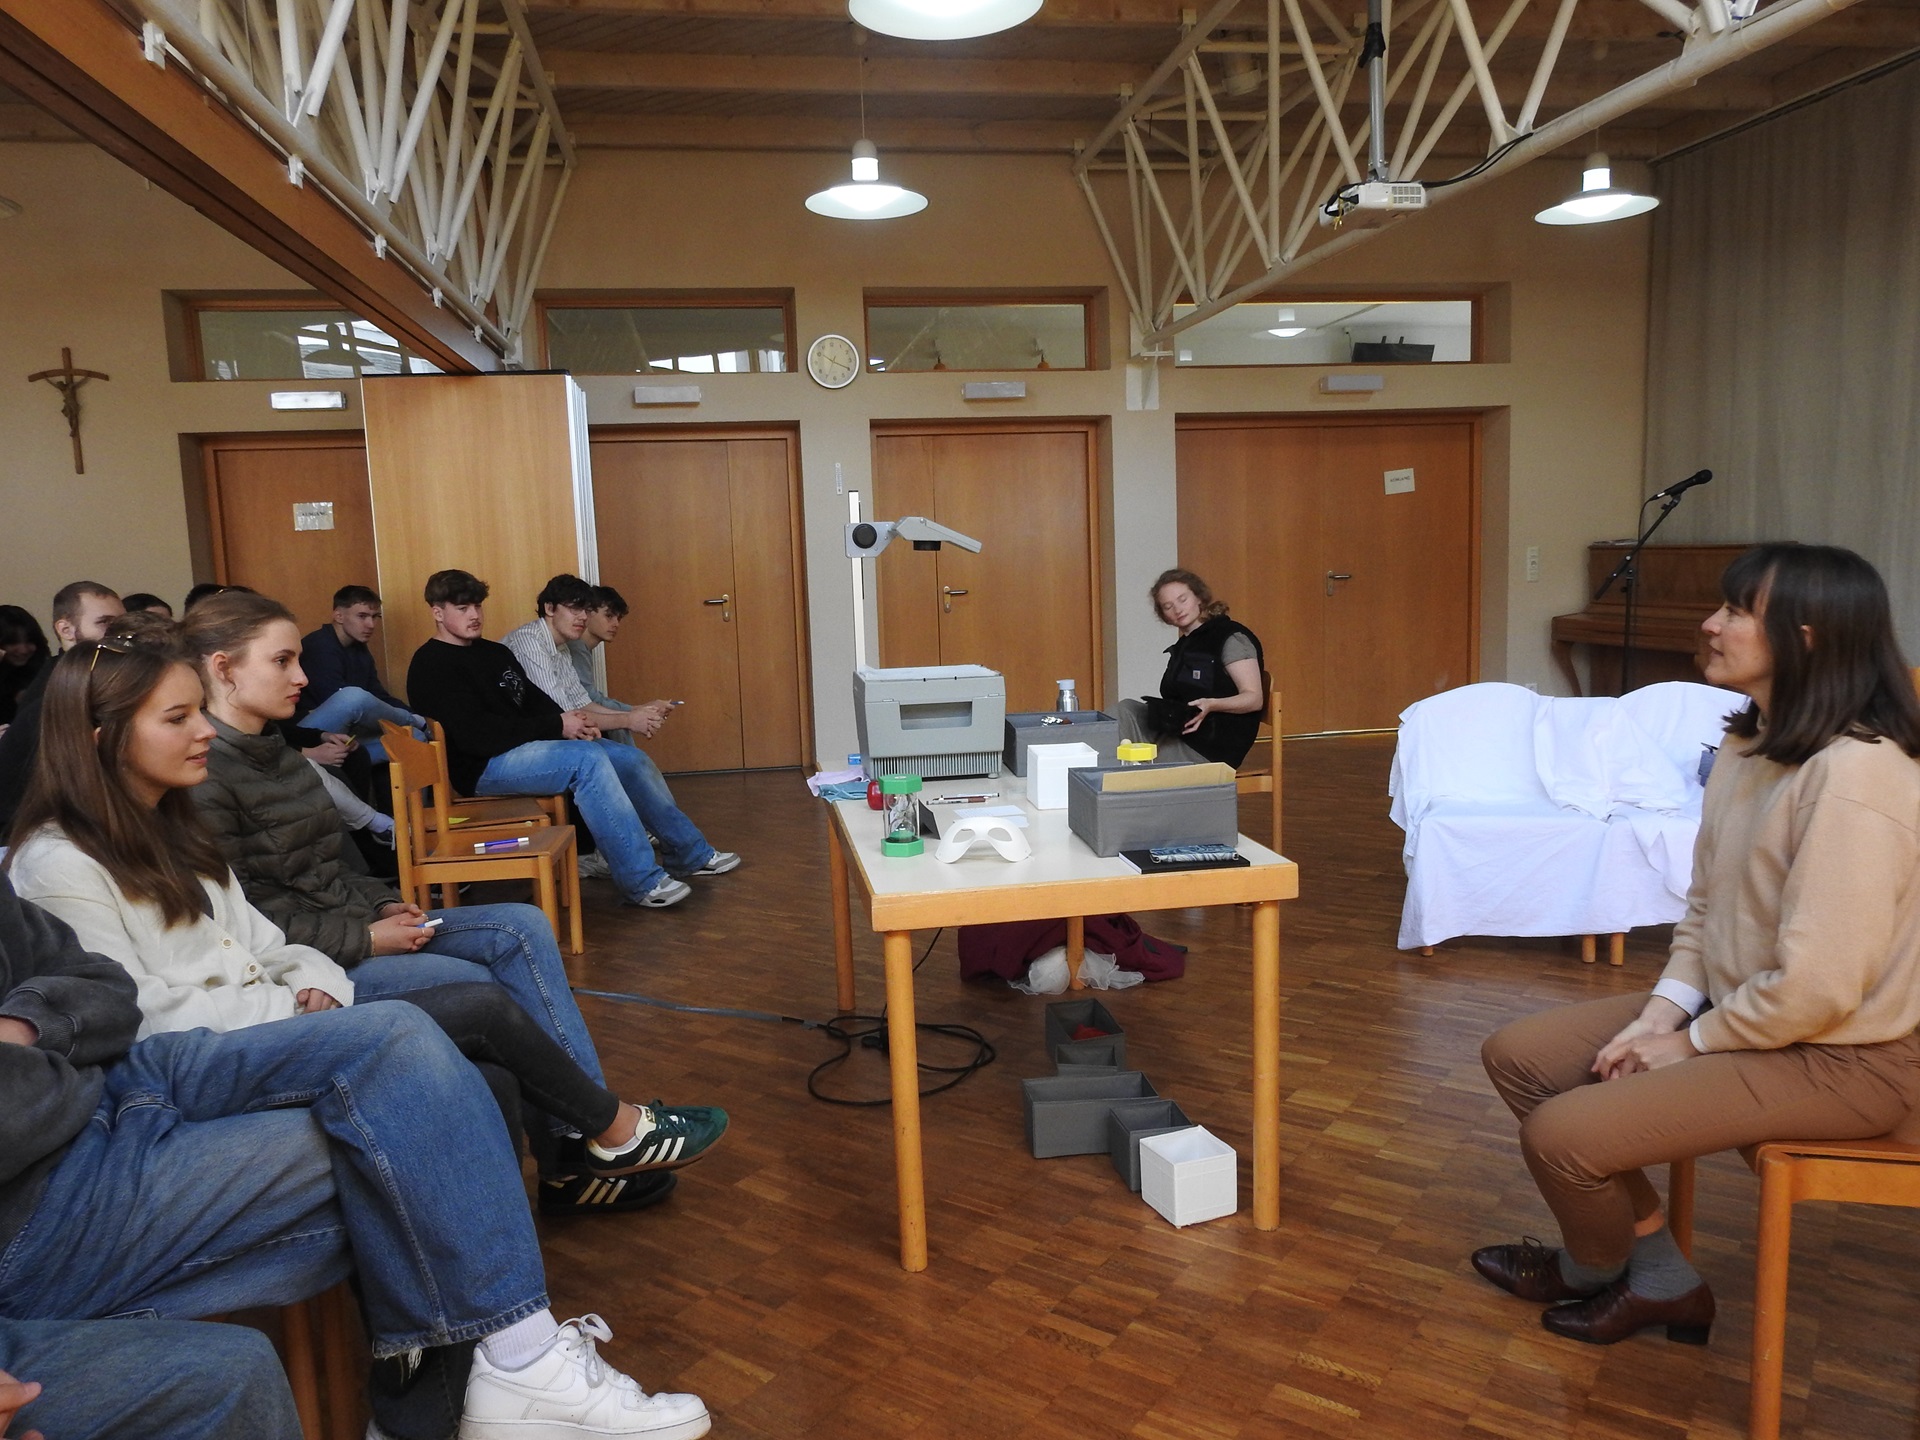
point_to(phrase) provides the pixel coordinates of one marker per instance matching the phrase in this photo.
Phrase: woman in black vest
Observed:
(1211, 697)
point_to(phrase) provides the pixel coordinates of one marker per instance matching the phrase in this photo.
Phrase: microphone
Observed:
(1674, 492)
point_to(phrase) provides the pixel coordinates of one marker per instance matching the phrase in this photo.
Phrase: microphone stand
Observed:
(1627, 572)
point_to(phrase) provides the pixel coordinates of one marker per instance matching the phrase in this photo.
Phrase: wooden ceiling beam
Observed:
(827, 136)
(1801, 82)
(834, 75)
(79, 61)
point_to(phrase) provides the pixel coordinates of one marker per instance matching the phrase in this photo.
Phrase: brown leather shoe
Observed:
(1616, 1312)
(1529, 1270)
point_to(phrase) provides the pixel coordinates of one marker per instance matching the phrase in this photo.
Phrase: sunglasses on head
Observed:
(118, 644)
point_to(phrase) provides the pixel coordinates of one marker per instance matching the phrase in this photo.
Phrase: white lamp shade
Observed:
(941, 19)
(1597, 200)
(867, 197)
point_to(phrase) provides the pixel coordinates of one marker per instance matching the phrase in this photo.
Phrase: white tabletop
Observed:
(1062, 876)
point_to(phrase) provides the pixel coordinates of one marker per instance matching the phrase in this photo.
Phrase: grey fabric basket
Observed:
(1089, 727)
(1110, 822)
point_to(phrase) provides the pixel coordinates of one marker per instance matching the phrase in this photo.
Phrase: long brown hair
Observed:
(227, 623)
(1849, 678)
(156, 856)
(1210, 608)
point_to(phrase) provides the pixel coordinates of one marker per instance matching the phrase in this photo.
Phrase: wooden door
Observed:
(698, 533)
(253, 484)
(1025, 605)
(1270, 511)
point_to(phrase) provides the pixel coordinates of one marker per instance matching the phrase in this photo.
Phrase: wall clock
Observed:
(833, 361)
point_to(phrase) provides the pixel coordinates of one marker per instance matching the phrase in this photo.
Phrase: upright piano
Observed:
(1679, 586)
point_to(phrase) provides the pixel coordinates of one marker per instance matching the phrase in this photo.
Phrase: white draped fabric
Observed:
(1785, 332)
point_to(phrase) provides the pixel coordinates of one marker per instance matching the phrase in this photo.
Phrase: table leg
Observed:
(902, 1043)
(1266, 1065)
(842, 918)
(1076, 950)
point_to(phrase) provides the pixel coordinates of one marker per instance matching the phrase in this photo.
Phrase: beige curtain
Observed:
(1784, 345)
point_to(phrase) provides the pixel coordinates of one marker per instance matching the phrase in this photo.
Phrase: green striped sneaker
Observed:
(681, 1134)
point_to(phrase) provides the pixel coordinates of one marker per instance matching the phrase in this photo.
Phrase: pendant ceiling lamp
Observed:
(867, 196)
(941, 19)
(1598, 200)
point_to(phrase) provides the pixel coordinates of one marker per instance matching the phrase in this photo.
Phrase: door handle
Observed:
(725, 601)
(947, 592)
(1333, 576)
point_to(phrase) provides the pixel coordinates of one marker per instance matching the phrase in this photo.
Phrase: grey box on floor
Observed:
(1065, 1016)
(1059, 727)
(1131, 1121)
(1110, 821)
(1067, 1114)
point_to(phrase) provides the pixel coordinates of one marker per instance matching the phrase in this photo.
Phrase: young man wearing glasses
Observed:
(508, 735)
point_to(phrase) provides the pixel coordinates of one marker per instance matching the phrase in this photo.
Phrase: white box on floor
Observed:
(1189, 1175)
(1047, 767)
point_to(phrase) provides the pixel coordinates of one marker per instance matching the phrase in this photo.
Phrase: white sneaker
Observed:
(719, 863)
(595, 867)
(569, 1392)
(668, 892)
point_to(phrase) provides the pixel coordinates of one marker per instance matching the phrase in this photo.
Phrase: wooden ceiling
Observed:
(790, 74)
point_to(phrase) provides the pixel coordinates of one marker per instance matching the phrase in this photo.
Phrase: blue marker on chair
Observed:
(490, 847)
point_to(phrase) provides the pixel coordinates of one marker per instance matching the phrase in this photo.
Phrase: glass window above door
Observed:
(245, 343)
(976, 335)
(1331, 332)
(667, 339)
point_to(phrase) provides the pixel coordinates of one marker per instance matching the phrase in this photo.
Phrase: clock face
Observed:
(833, 361)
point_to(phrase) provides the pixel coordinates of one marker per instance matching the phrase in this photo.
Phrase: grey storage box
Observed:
(1131, 1121)
(1057, 727)
(1066, 1016)
(1067, 1114)
(1126, 818)
(1079, 1071)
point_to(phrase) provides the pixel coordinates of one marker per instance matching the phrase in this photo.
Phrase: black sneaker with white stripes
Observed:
(681, 1134)
(589, 1194)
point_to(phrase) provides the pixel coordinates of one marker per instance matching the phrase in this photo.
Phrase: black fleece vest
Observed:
(1195, 671)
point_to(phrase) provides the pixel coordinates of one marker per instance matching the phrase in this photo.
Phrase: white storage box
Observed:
(1189, 1175)
(1047, 767)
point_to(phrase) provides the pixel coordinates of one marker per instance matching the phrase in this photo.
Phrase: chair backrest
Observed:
(1474, 743)
(412, 773)
(1681, 717)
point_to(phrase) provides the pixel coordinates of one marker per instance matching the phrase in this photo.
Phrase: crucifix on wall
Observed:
(68, 381)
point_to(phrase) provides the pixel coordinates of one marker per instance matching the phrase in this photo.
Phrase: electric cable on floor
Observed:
(867, 1031)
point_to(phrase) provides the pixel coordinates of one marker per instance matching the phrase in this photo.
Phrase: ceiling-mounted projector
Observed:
(1372, 198)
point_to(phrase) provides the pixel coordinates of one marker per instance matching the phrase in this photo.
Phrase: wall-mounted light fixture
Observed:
(308, 400)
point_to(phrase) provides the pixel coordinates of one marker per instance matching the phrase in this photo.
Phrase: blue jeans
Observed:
(259, 1166)
(511, 945)
(159, 1379)
(353, 711)
(620, 794)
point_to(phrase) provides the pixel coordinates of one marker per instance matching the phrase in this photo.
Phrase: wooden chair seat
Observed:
(1883, 1171)
(457, 810)
(444, 855)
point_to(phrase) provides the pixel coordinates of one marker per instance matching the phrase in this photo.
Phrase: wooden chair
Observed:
(1266, 782)
(1885, 1171)
(317, 1335)
(451, 807)
(446, 857)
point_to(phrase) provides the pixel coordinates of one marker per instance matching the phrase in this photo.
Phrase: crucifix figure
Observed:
(68, 381)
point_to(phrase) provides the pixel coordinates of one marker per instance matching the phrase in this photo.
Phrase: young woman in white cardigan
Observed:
(107, 839)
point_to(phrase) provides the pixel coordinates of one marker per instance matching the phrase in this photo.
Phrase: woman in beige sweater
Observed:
(1789, 1001)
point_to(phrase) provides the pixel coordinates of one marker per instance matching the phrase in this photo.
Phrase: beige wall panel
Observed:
(469, 472)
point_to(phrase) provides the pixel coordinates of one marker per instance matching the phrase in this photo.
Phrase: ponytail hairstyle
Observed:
(227, 624)
(1210, 608)
(1837, 668)
(156, 856)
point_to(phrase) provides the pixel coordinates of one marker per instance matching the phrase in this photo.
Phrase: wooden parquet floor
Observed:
(1057, 1305)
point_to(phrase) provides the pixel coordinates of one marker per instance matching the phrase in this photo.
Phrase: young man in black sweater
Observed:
(506, 737)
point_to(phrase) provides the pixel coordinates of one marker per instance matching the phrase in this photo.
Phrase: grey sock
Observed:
(1658, 1270)
(1588, 1277)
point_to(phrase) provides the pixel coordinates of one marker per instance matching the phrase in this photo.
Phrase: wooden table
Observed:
(1063, 878)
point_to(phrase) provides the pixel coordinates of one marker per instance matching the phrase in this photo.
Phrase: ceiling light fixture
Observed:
(1598, 200)
(867, 197)
(1287, 328)
(941, 19)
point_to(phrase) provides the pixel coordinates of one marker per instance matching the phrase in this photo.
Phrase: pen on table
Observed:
(485, 847)
(962, 799)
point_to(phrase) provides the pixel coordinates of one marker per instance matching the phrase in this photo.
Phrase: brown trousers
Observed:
(1587, 1142)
